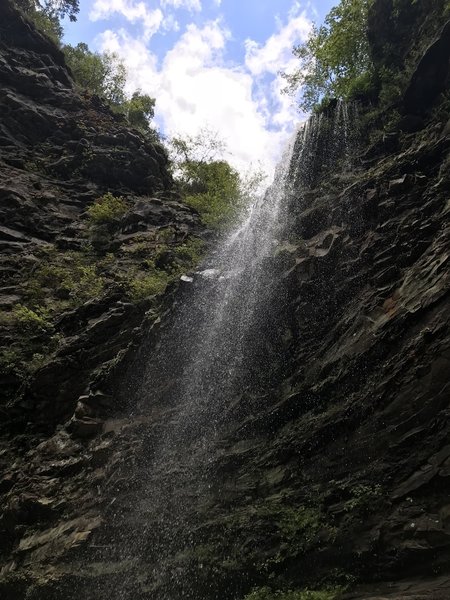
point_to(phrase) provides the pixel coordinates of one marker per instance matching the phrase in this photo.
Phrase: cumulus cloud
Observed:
(276, 52)
(151, 20)
(195, 85)
(265, 61)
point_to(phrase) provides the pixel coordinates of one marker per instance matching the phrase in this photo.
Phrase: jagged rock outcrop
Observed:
(335, 474)
(68, 308)
(59, 153)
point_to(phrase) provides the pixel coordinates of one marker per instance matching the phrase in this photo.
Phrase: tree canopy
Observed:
(139, 110)
(102, 74)
(208, 182)
(60, 8)
(105, 75)
(334, 61)
(56, 9)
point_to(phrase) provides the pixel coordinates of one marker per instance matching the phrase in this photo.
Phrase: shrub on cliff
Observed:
(104, 74)
(32, 322)
(334, 61)
(145, 286)
(107, 209)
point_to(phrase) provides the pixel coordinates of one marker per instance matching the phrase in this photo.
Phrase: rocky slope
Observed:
(336, 473)
(60, 153)
(73, 288)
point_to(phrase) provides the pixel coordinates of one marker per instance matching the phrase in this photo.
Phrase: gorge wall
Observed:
(332, 470)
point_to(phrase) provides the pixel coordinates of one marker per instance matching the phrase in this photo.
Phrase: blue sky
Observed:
(208, 63)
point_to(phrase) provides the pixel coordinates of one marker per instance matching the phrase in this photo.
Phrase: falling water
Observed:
(216, 352)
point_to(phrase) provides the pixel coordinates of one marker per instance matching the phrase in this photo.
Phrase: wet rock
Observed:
(84, 426)
(431, 76)
(337, 466)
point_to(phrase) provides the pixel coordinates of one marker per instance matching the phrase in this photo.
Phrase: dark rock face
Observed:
(336, 473)
(432, 75)
(60, 152)
(389, 29)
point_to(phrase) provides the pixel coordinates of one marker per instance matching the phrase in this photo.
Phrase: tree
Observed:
(60, 8)
(213, 189)
(105, 75)
(335, 59)
(139, 110)
(207, 181)
(205, 146)
(53, 9)
(102, 74)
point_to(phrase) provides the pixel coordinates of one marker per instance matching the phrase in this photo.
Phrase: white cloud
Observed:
(265, 61)
(192, 5)
(276, 53)
(151, 20)
(194, 86)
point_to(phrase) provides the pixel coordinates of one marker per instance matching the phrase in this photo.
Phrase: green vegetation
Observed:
(190, 253)
(147, 285)
(56, 9)
(59, 281)
(266, 593)
(297, 529)
(52, 10)
(209, 183)
(365, 498)
(290, 532)
(46, 24)
(298, 526)
(107, 209)
(32, 322)
(102, 74)
(213, 190)
(47, 14)
(139, 110)
(334, 62)
(64, 280)
(105, 75)
(174, 262)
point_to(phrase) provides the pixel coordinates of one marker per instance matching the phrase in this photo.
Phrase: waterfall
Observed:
(215, 353)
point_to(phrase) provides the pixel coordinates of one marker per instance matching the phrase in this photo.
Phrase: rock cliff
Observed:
(60, 153)
(335, 473)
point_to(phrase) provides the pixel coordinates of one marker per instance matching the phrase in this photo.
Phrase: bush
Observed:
(139, 110)
(32, 322)
(104, 74)
(365, 498)
(107, 209)
(46, 15)
(66, 276)
(191, 252)
(155, 280)
(145, 286)
(363, 87)
(10, 361)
